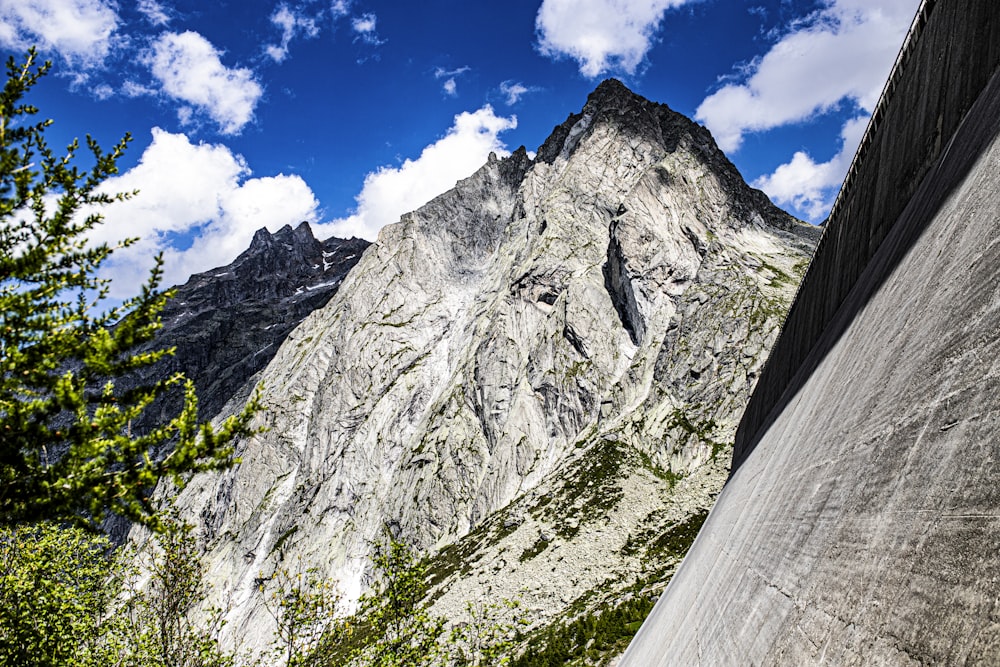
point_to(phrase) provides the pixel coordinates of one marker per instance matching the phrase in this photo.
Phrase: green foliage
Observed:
(67, 451)
(66, 600)
(593, 638)
(587, 491)
(662, 548)
(53, 594)
(673, 543)
(303, 606)
(702, 429)
(485, 641)
(596, 636)
(394, 628)
(666, 474)
(401, 631)
(538, 547)
(156, 624)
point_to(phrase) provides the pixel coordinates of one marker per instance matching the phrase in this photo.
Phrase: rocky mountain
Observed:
(226, 324)
(534, 378)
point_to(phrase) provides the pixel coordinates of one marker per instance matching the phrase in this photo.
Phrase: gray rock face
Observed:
(227, 323)
(599, 313)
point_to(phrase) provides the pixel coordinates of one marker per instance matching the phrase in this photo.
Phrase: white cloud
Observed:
(154, 12)
(808, 187)
(78, 30)
(340, 8)
(513, 92)
(202, 193)
(364, 23)
(364, 28)
(450, 85)
(601, 35)
(291, 22)
(189, 69)
(841, 52)
(441, 72)
(135, 89)
(103, 91)
(391, 191)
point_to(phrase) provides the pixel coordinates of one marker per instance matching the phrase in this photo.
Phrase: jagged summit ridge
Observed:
(301, 236)
(615, 104)
(227, 323)
(497, 334)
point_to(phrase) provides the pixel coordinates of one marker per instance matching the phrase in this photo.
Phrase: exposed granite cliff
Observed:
(538, 372)
(226, 324)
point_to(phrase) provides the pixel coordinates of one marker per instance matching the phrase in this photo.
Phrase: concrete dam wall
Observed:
(861, 522)
(948, 58)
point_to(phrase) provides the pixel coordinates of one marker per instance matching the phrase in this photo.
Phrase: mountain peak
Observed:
(505, 330)
(285, 234)
(299, 236)
(611, 88)
(262, 239)
(304, 233)
(613, 102)
(613, 106)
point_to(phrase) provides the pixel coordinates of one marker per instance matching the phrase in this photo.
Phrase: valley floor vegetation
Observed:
(68, 599)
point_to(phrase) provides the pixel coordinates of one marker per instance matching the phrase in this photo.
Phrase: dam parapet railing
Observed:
(949, 55)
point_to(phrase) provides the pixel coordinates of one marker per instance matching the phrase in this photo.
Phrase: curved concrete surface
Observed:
(864, 527)
(947, 60)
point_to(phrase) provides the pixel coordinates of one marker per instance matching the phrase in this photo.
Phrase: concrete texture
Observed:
(862, 525)
(951, 53)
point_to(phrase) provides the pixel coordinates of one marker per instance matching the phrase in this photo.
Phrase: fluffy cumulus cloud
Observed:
(154, 12)
(841, 52)
(806, 187)
(340, 8)
(189, 69)
(391, 191)
(601, 35)
(198, 204)
(80, 31)
(292, 22)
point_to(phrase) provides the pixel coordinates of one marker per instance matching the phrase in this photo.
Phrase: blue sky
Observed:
(347, 113)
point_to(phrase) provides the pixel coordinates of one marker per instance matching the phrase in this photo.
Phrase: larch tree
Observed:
(67, 449)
